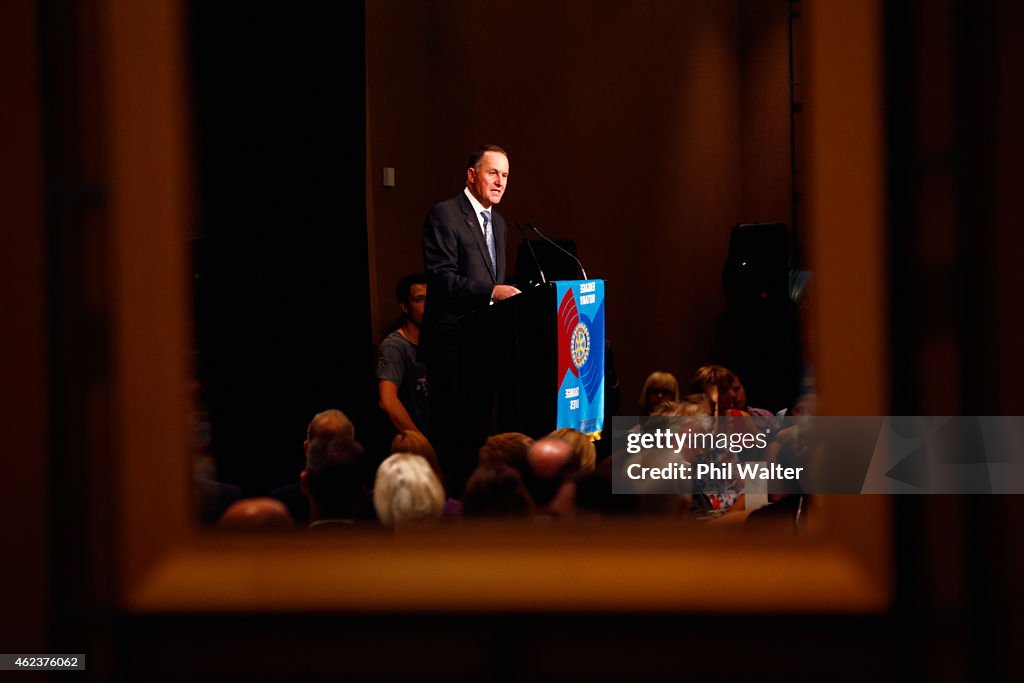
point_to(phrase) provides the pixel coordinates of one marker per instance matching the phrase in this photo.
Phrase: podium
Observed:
(545, 351)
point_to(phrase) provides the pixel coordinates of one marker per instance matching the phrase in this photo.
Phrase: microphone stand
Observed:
(557, 246)
(536, 261)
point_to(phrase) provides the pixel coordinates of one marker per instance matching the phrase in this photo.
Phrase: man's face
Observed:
(488, 180)
(415, 304)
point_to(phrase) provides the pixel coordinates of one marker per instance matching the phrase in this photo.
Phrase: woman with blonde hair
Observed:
(412, 441)
(659, 387)
(407, 490)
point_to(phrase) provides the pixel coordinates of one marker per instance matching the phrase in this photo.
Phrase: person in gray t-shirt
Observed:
(401, 379)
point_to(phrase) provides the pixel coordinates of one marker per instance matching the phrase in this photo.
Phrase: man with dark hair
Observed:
(333, 480)
(464, 241)
(401, 377)
(464, 255)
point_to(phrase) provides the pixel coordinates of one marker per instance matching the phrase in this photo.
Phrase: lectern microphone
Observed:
(533, 254)
(533, 227)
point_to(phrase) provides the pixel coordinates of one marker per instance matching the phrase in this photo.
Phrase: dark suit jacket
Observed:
(456, 259)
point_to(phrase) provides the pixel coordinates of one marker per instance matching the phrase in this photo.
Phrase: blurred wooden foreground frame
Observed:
(166, 564)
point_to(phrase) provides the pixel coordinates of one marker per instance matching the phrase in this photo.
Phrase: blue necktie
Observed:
(489, 238)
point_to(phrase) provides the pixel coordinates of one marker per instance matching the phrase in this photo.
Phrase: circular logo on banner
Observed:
(580, 345)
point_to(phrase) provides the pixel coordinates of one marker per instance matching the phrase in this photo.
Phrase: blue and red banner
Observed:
(581, 355)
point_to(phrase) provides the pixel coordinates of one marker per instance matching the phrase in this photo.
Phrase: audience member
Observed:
(324, 425)
(407, 490)
(496, 491)
(732, 403)
(329, 423)
(401, 379)
(740, 400)
(716, 382)
(410, 441)
(552, 463)
(582, 446)
(722, 388)
(507, 448)
(658, 388)
(694, 405)
(333, 480)
(256, 513)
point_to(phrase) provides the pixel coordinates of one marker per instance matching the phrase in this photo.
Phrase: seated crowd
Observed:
(557, 476)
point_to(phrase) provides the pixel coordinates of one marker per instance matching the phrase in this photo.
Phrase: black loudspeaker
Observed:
(757, 267)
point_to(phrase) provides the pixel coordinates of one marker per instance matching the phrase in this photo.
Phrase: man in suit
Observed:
(464, 256)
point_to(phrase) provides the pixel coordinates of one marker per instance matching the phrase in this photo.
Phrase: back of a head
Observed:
(256, 513)
(335, 471)
(412, 441)
(496, 491)
(330, 423)
(407, 490)
(507, 448)
(694, 405)
(551, 463)
(581, 445)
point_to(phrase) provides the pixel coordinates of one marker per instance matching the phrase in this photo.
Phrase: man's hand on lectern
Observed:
(502, 292)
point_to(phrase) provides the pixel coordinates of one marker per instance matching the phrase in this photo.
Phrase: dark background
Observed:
(281, 275)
